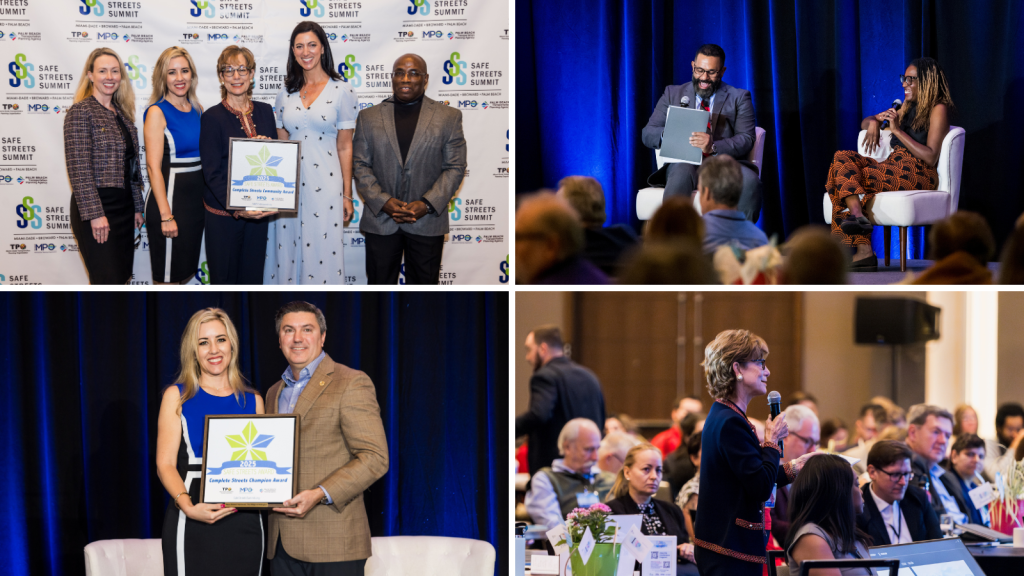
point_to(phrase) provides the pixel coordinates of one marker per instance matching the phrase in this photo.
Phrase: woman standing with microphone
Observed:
(737, 473)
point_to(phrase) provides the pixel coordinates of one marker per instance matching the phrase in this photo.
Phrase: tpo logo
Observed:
(136, 71)
(202, 8)
(453, 69)
(349, 70)
(455, 209)
(421, 6)
(28, 213)
(313, 7)
(94, 7)
(20, 71)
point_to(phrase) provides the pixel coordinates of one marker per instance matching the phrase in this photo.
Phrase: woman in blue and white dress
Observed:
(317, 107)
(204, 538)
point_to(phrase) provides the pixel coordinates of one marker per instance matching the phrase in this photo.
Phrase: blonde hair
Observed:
(230, 53)
(190, 372)
(160, 76)
(124, 96)
(621, 486)
(728, 347)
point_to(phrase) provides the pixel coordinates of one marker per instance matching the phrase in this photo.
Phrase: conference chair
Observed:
(906, 208)
(430, 556)
(774, 555)
(649, 199)
(130, 557)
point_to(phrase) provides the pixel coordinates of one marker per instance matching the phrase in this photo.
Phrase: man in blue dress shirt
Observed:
(720, 185)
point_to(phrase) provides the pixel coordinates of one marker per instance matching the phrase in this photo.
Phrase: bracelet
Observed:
(349, 197)
(178, 496)
(169, 219)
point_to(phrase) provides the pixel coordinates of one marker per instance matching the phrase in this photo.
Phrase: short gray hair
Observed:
(797, 414)
(919, 414)
(571, 431)
(722, 174)
(617, 443)
(300, 306)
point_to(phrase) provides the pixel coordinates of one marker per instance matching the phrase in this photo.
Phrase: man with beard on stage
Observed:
(730, 129)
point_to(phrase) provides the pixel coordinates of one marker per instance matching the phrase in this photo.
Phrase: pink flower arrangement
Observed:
(596, 518)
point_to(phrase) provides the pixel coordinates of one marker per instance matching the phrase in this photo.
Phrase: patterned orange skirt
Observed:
(852, 173)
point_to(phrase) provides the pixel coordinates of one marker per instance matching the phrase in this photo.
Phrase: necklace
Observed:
(244, 117)
(309, 86)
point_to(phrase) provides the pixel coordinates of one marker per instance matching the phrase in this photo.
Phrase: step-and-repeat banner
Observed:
(44, 43)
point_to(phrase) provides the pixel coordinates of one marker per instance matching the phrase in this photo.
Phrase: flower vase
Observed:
(604, 561)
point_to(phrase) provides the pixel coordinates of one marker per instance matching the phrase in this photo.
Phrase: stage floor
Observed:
(891, 274)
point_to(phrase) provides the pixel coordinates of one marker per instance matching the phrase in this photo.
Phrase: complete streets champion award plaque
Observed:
(263, 174)
(250, 461)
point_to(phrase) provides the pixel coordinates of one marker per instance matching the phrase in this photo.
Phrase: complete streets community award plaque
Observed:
(250, 461)
(263, 174)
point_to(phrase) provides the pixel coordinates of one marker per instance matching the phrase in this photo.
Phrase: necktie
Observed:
(704, 106)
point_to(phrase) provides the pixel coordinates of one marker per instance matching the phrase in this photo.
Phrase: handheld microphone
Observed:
(775, 406)
(686, 102)
(895, 106)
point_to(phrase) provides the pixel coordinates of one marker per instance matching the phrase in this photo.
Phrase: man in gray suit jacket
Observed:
(409, 158)
(731, 129)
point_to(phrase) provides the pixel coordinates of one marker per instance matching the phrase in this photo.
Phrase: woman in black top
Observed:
(236, 241)
(918, 130)
(101, 147)
(633, 493)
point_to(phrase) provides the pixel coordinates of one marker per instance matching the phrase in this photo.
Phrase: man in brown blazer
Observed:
(323, 530)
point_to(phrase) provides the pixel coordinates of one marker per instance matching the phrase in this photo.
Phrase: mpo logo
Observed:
(45, 247)
(332, 36)
(38, 108)
(136, 71)
(433, 34)
(358, 242)
(5, 179)
(349, 70)
(455, 209)
(421, 6)
(217, 37)
(107, 36)
(20, 70)
(453, 69)
(311, 7)
(95, 7)
(461, 238)
(202, 7)
(28, 213)
(467, 103)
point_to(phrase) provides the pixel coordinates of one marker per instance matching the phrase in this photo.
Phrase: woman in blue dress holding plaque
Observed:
(318, 108)
(204, 538)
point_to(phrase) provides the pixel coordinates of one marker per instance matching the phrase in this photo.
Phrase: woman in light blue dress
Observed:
(317, 107)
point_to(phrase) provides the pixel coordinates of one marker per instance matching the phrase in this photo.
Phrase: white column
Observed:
(945, 371)
(982, 358)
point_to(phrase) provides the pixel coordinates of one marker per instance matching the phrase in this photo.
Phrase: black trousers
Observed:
(285, 565)
(235, 249)
(112, 261)
(682, 179)
(422, 258)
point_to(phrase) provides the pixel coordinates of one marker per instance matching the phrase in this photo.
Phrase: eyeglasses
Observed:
(908, 80)
(402, 74)
(895, 476)
(229, 71)
(809, 441)
(700, 72)
(759, 362)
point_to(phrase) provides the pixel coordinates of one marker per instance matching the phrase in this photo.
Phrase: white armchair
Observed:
(132, 557)
(430, 556)
(905, 208)
(648, 200)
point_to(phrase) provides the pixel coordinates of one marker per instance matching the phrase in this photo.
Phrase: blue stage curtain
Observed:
(590, 73)
(81, 392)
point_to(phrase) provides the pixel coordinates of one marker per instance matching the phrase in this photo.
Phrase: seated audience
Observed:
(670, 439)
(622, 423)
(720, 184)
(675, 263)
(872, 418)
(927, 436)
(965, 421)
(961, 246)
(804, 437)
(965, 462)
(813, 256)
(602, 245)
(687, 497)
(894, 511)
(554, 490)
(675, 219)
(678, 466)
(824, 506)
(1010, 433)
(896, 415)
(834, 434)
(633, 493)
(612, 452)
(1011, 263)
(549, 242)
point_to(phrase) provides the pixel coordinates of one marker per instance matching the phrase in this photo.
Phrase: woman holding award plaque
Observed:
(317, 107)
(204, 538)
(236, 240)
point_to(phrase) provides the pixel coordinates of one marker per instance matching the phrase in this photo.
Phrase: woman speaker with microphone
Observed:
(737, 473)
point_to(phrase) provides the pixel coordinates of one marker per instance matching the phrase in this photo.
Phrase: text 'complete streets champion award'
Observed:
(264, 174)
(250, 461)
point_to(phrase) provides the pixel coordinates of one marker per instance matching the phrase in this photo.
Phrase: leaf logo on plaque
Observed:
(264, 170)
(247, 453)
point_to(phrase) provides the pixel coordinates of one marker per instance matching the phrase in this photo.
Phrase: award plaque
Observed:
(250, 461)
(263, 174)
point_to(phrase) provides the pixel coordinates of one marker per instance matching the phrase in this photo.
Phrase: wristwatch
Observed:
(324, 500)
(714, 150)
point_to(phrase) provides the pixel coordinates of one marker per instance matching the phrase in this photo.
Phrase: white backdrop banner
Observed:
(44, 43)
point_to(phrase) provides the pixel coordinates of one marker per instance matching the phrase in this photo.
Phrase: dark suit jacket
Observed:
(948, 480)
(732, 122)
(921, 519)
(678, 470)
(560, 391)
(975, 516)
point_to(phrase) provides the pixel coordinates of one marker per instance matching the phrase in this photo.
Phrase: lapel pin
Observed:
(321, 382)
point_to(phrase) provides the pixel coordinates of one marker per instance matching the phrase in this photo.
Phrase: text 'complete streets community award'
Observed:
(250, 461)
(264, 174)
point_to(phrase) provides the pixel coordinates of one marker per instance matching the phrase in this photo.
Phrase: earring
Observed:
(739, 377)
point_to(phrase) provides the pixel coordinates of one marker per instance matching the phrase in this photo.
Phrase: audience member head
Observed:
(578, 443)
(835, 430)
(708, 67)
(543, 344)
(668, 263)
(929, 432)
(548, 231)
(826, 493)
(804, 432)
(720, 182)
(805, 399)
(1009, 422)
(688, 427)
(693, 449)
(872, 417)
(1011, 264)
(726, 357)
(685, 405)
(892, 432)
(586, 196)
(967, 455)
(640, 475)
(963, 231)
(965, 420)
(813, 256)
(621, 423)
(889, 469)
(612, 453)
(675, 219)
